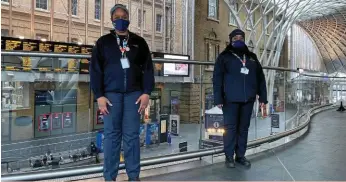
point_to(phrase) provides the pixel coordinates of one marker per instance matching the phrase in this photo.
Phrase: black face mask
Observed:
(240, 50)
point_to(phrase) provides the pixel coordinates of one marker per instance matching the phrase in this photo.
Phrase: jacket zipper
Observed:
(244, 89)
(125, 80)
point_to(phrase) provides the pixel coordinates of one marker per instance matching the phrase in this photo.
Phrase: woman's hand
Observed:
(144, 100)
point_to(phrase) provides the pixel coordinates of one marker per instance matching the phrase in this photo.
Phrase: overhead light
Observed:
(79, 43)
(21, 37)
(43, 40)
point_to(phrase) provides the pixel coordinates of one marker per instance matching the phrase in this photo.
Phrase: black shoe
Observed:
(229, 162)
(243, 161)
(134, 179)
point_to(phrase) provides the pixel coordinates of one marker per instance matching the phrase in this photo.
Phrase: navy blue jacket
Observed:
(107, 74)
(230, 85)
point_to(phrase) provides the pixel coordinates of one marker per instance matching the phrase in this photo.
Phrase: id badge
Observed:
(125, 63)
(244, 70)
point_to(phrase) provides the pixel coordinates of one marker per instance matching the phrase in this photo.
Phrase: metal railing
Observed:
(155, 60)
(88, 56)
(85, 170)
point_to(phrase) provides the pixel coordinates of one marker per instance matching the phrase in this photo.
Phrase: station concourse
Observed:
(52, 127)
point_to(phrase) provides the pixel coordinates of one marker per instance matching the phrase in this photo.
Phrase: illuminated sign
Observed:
(175, 69)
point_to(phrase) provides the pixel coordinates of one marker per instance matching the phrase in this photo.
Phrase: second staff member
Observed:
(238, 78)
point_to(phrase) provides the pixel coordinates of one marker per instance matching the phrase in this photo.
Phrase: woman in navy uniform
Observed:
(237, 80)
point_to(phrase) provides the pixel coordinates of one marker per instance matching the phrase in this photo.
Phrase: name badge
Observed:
(244, 70)
(125, 63)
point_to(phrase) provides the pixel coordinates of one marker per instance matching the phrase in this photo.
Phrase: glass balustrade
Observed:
(50, 117)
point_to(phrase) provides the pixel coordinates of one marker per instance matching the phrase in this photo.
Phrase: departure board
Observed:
(73, 65)
(13, 45)
(86, 49)
(46, 47)
(60, 47)
(30, 45)
(84, 63)
(74, 49)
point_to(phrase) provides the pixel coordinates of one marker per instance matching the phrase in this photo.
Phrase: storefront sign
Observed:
(275, 121)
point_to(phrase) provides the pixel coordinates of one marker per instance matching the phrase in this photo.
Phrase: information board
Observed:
(84, 63)
(45, 47)
(30, 45)
(275, 121)
(11, 45)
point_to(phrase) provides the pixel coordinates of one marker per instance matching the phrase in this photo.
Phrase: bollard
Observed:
(341, 108)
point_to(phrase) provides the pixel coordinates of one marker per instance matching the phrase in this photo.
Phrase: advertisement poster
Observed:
(100, 140)
(174, 124)
(56, 121)
(142, 135)
(152, 135)
(67, 118)
(99, 118)
(44, 121)
(174, 105)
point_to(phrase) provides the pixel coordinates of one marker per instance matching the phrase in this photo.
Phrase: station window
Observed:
(74, 7)
(97, 9)
(141, 18)
(159, 23)
(4, 32)
(6, 1)
(42, 4)
(232, 19)
(41, 36)
(213, 8)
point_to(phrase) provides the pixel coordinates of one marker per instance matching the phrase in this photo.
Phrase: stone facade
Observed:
(21, 21)
(21, 26)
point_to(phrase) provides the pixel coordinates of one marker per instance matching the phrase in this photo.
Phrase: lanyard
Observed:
(241, 60)
(124, 48)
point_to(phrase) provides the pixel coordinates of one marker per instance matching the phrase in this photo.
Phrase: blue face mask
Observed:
(238, 44)
(121, 24)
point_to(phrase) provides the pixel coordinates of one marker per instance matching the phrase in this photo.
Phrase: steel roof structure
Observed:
(323, 20)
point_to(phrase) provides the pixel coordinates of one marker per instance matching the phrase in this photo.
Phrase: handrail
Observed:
(88, 56)
(156, 60)
(85, 170)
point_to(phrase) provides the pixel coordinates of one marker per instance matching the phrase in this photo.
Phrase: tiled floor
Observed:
(318, 155)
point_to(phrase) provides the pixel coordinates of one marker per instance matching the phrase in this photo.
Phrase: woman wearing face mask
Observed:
(237, 80)
(122, 78)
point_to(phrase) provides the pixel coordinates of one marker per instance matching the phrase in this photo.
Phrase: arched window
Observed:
(212, 47)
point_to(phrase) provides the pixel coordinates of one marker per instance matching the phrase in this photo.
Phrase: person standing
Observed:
(238, 79)
(122, 78)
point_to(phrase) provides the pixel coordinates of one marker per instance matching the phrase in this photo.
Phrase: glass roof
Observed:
(308, 9)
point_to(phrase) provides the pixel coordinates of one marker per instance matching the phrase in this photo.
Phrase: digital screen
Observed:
(45, 47)
(29, 45)
(60, 48)
(3, 43)
(84, 66)
(13, 45)
(175, 69)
